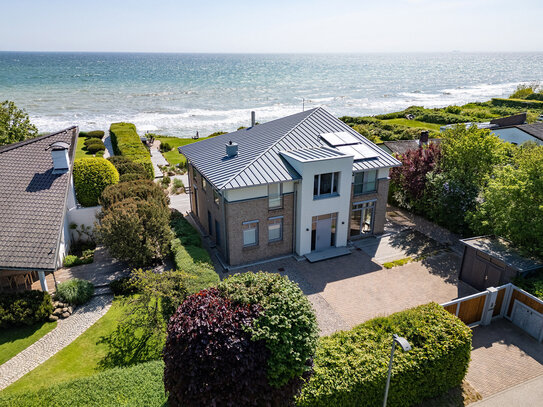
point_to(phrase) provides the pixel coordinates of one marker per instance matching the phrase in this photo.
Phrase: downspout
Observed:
(294, 209)
(225, 235)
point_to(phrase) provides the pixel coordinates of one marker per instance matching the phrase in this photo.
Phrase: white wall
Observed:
(82, 216)
(514, 135)
(307, 207)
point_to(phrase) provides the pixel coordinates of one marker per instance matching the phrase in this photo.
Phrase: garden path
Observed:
(109, 147)
(65, 333)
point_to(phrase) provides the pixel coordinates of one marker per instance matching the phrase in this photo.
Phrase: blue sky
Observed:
(271, 26)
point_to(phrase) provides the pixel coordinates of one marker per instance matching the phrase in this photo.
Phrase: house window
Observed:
(250, 233)
(326, 185)
(204, 184)
(209, 223)
(217, 233)
(216, 197)
(194, 173)
(274, 196)
(275, 229)
(365, 182)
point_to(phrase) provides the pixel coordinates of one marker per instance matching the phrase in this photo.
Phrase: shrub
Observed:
(96, 146)
(71, 260)
(210, 358)
(518, 103)
(24, 308)
(351, 366)
(288, 325)
(127, 166)
(91, 177)
(165, 147)
(83, 134)
(217, 133)
(95, 134)
(165, 181)
(142, 190)
(136, 231)
(132, 176)
(75, 291)
(123, 286)
(126, 142)
(91, 141)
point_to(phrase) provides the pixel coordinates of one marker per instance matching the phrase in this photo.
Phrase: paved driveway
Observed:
(352, 289)
(503, 356)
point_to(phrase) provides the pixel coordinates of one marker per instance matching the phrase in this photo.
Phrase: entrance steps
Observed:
(331, 253)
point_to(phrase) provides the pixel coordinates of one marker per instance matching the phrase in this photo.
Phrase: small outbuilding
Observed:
(491, 261)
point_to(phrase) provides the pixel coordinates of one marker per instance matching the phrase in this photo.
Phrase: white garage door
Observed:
(528, 319)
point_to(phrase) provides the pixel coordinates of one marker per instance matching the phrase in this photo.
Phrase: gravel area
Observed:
(65, 333)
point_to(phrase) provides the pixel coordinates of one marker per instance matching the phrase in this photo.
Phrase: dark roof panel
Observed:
(32, 201)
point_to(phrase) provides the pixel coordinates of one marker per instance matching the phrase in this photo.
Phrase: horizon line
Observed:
(274, 52)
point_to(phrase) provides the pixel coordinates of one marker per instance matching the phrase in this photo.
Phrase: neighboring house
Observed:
(36, 192)
(511, 129)
(300, 184)
(400, 147)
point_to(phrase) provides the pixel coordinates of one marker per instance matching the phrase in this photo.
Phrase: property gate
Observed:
(507, 301)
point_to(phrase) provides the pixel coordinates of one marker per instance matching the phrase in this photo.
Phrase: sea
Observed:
(181, 94)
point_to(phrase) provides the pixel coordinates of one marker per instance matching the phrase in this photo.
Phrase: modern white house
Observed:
(306, 183)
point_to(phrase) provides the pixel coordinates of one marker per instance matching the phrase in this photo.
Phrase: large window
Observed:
(365, 182)
(326, 185)
(250, 233)
(275, 229)
(362, 218)
(274, 196)
(216, 197)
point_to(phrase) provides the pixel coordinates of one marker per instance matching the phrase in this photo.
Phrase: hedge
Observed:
(350, 367)
(126, 166)
(96, 134)
(139, 385)
(126, 142)
(24, 308)
(142, 190)
(518, 103)
(535, 96)
(91, 177)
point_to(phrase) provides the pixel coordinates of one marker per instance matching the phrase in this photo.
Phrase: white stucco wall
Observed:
(307, 206)
(514, 135)
(260, 191)
(82, 216)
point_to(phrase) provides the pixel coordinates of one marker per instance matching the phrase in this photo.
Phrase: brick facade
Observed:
(257, 209)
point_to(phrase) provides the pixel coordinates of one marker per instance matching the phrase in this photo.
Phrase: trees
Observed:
(136, 231)
(143, 190)
(91, 177)
(15, 125)
(511, 203)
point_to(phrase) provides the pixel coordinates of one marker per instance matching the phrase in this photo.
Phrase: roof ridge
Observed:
(18, 144)
(270, 147)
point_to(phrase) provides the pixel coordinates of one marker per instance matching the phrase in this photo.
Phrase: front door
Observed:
(324, 234)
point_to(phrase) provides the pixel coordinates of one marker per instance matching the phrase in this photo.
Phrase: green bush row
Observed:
(518, 103)
(350, 367)
(24, 308)
(139, 385)
(91, 177)
(535, 96)
(126, 142)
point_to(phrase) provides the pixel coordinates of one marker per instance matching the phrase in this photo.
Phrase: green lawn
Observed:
(14, 340)
(80, 152)
(173, 156)
(139, 385)
(79, 359)
(413, 123)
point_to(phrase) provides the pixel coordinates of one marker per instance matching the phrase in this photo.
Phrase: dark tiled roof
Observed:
(535, 130)
(32, 202)
(510, 120)
(402, 146)
(259, 159)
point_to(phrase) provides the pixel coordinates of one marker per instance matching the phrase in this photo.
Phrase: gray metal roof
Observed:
(535, 129)
(314, 154)
(503, 250)
(32, 202)
(259, 160)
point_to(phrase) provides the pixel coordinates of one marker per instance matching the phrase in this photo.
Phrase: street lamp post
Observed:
(405, 345)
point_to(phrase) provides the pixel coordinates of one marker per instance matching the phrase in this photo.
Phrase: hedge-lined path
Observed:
(157, 159)
(65, 333)
(109, 147)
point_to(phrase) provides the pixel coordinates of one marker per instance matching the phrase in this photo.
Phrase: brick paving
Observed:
(349, 290)
(503, 356)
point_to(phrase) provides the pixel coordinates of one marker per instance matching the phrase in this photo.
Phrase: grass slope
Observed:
(173, 156)
(78, 359)
(139, 385)
(413, 123)
(14, 340)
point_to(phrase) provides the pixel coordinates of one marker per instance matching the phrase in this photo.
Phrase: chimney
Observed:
(59, 154)
(253, 119)
(231, 149)
(424, 136)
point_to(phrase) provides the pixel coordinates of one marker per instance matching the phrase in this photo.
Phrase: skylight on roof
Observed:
(340, 138)
(359, 151)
